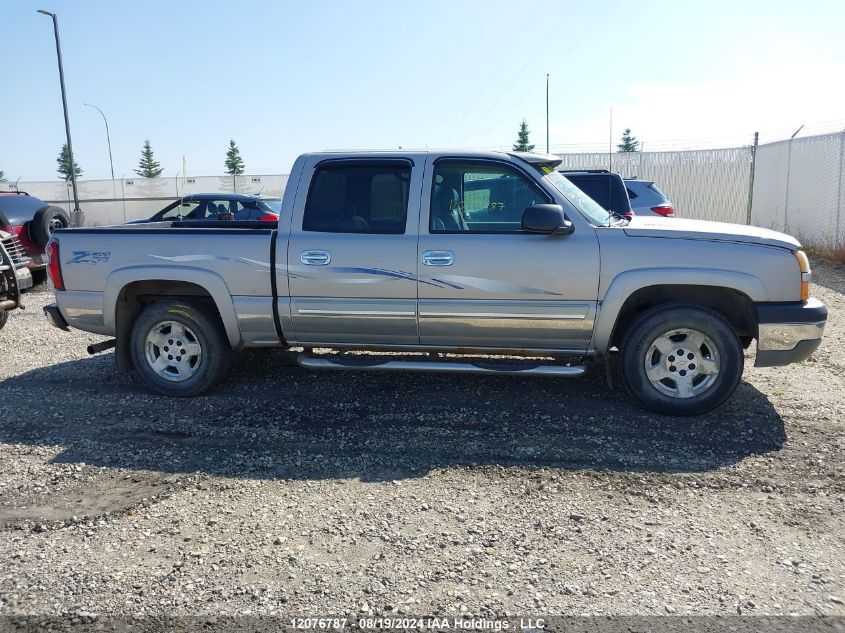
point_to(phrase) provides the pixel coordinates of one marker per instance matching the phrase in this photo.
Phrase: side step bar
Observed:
(513, 369)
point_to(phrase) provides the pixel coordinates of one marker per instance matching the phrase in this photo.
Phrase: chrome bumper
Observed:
(788, 332)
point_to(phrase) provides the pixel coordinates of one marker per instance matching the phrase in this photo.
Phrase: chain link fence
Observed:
(708, 184)
(797, 186)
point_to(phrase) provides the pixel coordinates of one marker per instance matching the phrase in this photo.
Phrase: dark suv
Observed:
(31, 222)
(606, 188)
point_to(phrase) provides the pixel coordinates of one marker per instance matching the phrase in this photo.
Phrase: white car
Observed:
(647, 199)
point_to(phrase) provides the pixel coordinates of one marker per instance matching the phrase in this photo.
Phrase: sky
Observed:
(282, 78)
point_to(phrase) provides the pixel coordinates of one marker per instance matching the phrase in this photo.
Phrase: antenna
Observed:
(547, 113)
(610, 161)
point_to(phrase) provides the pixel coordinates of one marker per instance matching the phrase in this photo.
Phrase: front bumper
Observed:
(788, 332)
(24, 277)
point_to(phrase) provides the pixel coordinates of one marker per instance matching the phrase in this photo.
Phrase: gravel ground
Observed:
(290, 492)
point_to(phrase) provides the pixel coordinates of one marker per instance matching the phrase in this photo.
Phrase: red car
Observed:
(31, 222)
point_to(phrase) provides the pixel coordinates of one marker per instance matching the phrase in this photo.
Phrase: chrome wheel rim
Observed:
(56, 223)
(173, 351)
(682, 363)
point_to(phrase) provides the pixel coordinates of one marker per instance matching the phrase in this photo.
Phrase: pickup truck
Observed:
(457, 257)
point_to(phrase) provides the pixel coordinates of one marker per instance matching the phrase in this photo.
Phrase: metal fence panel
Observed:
(702, 184)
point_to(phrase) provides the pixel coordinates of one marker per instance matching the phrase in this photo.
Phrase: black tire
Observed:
(201, 326)
(46, 220)
(4, 316)
(699, 390)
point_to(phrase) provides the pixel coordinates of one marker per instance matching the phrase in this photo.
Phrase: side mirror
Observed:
(546, 218)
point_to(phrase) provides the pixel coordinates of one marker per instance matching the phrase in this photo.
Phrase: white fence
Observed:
(798, 186)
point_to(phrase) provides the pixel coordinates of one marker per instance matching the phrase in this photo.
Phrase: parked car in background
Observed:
(275, 204)
(647, 199)
(14, 275)
(216, 206)
(30, 222)
(606, 188)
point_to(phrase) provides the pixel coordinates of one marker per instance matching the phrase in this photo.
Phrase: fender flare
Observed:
(627, 283)
(212, 283)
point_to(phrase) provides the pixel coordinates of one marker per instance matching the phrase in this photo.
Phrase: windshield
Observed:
(588, 207)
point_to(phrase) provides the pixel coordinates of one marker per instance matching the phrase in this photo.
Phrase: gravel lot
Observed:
(292, 492)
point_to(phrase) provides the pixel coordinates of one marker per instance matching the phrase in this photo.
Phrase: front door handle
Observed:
(315, 258)
(438, 258)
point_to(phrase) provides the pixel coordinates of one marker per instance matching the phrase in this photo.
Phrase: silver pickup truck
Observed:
(458, 257)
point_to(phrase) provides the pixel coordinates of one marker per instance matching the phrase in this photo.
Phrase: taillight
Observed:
(269, 217)
(804, 267)
(665, 210)
(54, 266)
(629, 214)
(23, 236)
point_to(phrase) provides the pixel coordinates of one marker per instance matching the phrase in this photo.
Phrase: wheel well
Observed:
(134, 297)
(736, 307)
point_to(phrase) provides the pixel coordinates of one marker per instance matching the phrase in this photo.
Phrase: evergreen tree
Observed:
(522, 144)
(234, 162)
(2, 176)
(629, 142)
(147, 166)
(64, 168)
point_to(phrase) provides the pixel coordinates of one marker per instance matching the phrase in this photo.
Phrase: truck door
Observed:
(352, 251)
(483, 282)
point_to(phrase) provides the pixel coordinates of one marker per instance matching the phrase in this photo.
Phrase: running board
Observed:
(513, 369)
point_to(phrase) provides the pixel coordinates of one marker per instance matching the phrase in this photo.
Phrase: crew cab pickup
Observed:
(456, 256)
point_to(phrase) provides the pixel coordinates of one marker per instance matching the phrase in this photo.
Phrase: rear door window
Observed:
(366, 197)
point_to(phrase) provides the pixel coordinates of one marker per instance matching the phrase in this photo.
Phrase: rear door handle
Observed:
(438, 258)
(315, 258)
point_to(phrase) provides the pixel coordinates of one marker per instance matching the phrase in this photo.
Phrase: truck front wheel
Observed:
(179, 347)
(681, 360)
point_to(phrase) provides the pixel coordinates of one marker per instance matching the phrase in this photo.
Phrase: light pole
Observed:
(108, 140)
(76, 216)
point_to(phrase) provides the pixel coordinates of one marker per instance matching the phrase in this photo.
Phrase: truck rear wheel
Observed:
(681, 360)
(179, 347)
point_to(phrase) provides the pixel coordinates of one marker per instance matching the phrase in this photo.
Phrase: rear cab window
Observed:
(358, 197)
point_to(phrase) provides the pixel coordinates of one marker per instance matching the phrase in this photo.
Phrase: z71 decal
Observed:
(89, 257)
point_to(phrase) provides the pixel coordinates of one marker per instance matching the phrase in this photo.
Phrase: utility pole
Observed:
(76, 217)
(547, 113)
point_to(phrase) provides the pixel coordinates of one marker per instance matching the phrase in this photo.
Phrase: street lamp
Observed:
(108, 140)
(76, 217)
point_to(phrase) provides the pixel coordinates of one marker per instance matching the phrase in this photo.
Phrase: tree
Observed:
(522, 144)
(629, 142)
(147, 166)
(234, 162)
(2, 176)
(64, 169)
